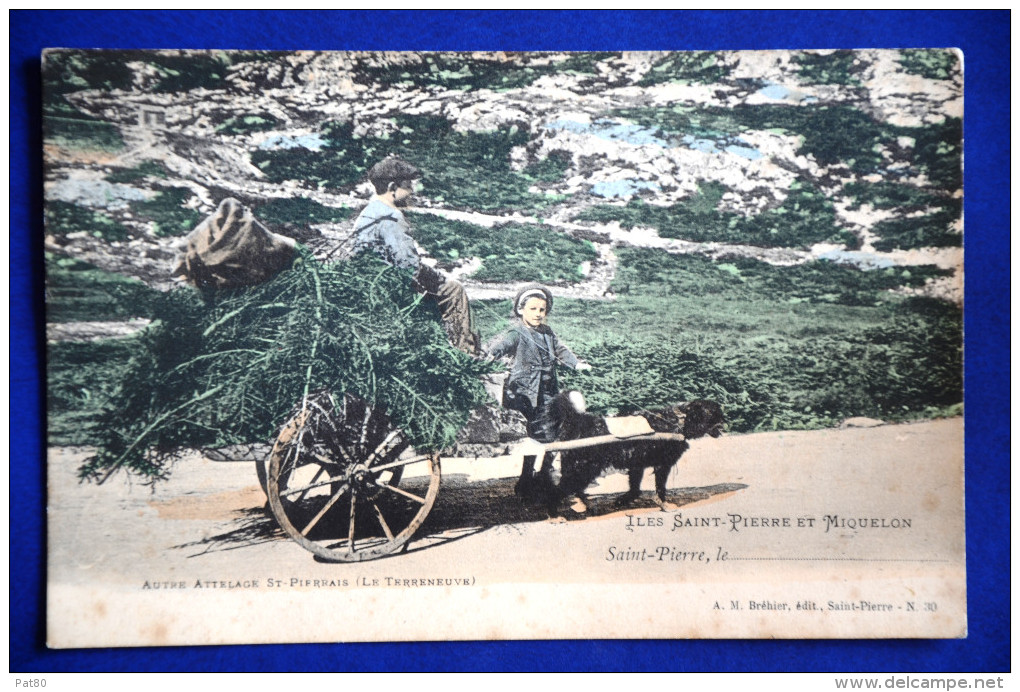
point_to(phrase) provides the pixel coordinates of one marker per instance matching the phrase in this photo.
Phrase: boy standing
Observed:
(536, 351)
(531, 385)
(382, 228)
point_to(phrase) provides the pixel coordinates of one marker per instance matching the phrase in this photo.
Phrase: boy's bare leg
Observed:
(580, 503)
(530, 481)
(526, 483)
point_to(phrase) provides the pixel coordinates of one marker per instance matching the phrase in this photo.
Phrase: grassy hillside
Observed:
(780, 347)
(558, 153)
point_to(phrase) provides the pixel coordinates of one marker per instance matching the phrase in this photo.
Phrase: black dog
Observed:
(579, 468)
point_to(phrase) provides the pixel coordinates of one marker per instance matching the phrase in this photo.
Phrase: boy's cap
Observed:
(393, 168)
(533, 291)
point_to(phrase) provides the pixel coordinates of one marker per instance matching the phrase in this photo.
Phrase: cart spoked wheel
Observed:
(344, 482)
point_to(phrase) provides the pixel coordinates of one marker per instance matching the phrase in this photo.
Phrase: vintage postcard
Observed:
(352, 346)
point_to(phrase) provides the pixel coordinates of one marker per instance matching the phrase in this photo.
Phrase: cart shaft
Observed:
(566, 445)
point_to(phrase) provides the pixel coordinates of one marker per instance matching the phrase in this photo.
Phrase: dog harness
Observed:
(628, 426)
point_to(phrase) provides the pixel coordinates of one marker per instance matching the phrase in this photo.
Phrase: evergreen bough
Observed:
(226, 368)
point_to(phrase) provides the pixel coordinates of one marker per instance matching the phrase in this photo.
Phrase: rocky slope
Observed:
(573, 113)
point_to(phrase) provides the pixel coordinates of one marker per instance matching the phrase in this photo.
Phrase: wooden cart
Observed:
(344, 482)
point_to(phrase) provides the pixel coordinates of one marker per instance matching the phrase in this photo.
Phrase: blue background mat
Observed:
(984, 37)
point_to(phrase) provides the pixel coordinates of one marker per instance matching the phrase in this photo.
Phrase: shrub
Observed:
(629, 375)
(838, 67)
(65, 71)
(937, 228)
(512, 252)
(244, 124)
(551, 169)
(781, 347)
(143, 170)
(931, 63)
(464, 170)
(745, 278)
(896, 370)
(830, 134)
(83, 133)
(931, 230)
(899, 368)
(702, 67)
(938, 153)
(891, 195)
(187, 70)
(806, 217)
(80, 292)
(81, 378)
(300, 210)
(462, 71)
(63, 218)
(167, 212)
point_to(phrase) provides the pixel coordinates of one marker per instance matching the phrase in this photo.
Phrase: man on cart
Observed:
(382, 228)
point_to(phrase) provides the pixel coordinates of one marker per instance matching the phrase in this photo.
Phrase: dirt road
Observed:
(883, 503)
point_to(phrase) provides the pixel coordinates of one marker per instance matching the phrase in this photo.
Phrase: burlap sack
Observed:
(231, 248)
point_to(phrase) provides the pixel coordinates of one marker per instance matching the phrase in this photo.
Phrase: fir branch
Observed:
(152, 426)
(235, 362)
